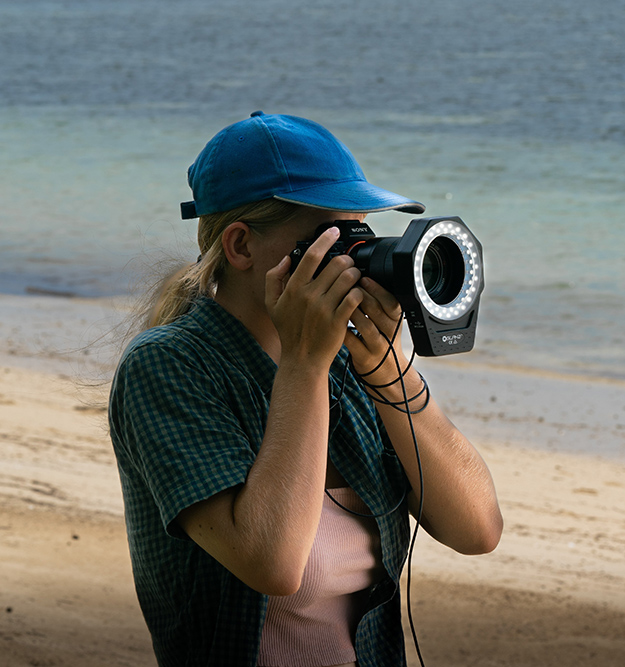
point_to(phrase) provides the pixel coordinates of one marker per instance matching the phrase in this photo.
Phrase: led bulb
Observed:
(472, 271)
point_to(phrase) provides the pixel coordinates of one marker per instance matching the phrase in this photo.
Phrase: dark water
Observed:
(552, 70)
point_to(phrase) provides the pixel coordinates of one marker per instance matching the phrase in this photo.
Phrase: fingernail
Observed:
(335, 231)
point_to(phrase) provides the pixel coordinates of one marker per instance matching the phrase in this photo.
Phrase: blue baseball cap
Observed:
(283, 157)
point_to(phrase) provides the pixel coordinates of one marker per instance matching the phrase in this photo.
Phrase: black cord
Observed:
(418, 517)
(405, 402)
(367, 516)
(348, 365)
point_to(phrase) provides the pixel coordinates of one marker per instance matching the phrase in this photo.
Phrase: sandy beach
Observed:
(552, 593)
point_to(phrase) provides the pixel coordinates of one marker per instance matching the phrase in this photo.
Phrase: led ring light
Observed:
(472, 275)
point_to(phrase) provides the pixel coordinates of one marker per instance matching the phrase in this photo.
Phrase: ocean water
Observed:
(511, 117)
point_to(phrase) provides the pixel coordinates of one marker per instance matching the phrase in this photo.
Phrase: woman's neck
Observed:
(244, 304)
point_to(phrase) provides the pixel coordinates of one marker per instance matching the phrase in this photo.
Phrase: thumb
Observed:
(274, 281)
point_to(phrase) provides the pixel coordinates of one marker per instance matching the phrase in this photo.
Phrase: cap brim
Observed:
(354, 196)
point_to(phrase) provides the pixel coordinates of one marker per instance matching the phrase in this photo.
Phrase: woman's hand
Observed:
(377, 320)
(311, 314)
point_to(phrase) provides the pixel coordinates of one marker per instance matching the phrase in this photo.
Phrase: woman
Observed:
(234, 413)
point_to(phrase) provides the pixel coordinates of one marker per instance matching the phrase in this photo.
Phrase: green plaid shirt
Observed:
(188, 409)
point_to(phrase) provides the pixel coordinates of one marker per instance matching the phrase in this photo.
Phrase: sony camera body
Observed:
(435, 270)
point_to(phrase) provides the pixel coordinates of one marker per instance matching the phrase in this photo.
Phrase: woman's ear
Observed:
(235, 240)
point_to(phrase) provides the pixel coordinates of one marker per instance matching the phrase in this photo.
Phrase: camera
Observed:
(434, 270)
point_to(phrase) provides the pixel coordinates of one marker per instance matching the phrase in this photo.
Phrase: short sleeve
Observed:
(174, 423)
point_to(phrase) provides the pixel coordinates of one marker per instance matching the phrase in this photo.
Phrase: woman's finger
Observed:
(376, 312)
(274, 281)
(387, 301)
(369, 332)
(313, 257)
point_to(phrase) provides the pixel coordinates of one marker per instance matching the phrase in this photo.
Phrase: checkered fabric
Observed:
(187, 413)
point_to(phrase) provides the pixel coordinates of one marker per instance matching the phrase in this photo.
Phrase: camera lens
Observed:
(443, 270)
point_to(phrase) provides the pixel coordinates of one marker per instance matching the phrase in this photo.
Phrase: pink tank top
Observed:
(317, 625)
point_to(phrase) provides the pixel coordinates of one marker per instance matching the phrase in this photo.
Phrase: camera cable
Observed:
(404, 406)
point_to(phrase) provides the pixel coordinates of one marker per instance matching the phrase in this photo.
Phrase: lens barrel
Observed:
(443, 266)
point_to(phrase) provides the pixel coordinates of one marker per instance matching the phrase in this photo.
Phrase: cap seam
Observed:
(277, 152)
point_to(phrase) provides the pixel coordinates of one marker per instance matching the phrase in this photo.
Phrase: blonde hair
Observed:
(175, 294)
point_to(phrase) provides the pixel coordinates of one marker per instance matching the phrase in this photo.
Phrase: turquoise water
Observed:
(513, 119)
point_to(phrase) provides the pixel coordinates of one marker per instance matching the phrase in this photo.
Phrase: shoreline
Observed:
(113, 306)
(107, 311)
(83, 338)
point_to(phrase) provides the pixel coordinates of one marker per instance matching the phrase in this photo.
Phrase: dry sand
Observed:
(553, 592)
